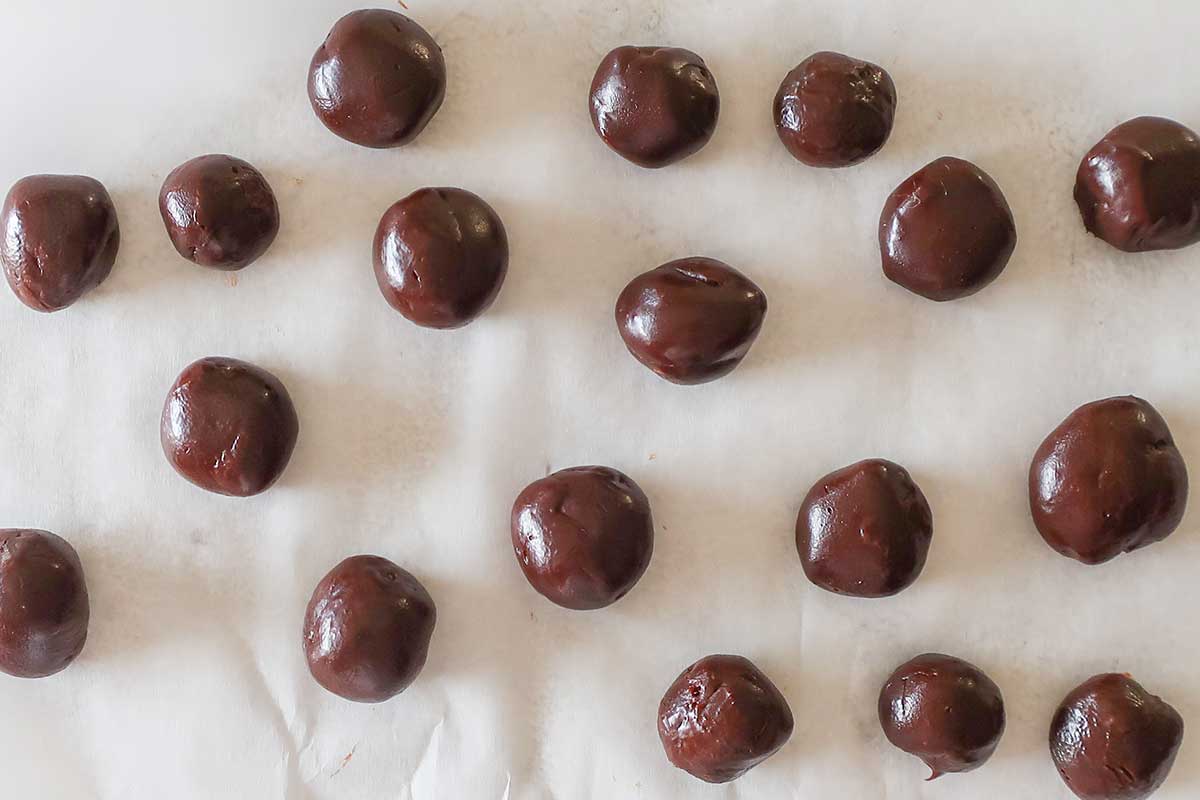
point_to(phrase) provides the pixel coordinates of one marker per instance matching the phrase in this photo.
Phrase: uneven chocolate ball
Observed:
(864, 530)
(367, 629)
(377, 79)
(721, 717)
(1113, 740)
(43, 603)
(583, 536)
(947, 231)
(692, 320)
(654, 105)
(440, 257)
(1108, 480)
(58, 239)
(229, 427)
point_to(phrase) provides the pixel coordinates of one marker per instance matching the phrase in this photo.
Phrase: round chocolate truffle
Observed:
(367, 629)
(58, 239)
(1113, 740)
(721, 717)
(654, 105)
(219, 211)
(692, 320)
(1139, 188)
(835, 111)
(583, 536)
(43, 604)
(377, 79)
(229, 427)
(864, 530)
(440, 257)
(1108, 480)
(944, 711)
(947, 231)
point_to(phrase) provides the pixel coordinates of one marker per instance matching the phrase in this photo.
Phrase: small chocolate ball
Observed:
(583, 536)
(721, 717)
(947, 231)
(692, 320)
(367, 629)
(835, 111)
(1139, 188)
(1108, 480)
(1113, 740)
(43, 603)
(654, 105)
(377, 79)
(944, 711)
(229, 427)
(864, 530)
(219, 211)
(440, 257)
(58, 239)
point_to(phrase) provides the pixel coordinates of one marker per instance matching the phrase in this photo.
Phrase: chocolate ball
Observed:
(835, 111)
(1139, 188)
(583, 536)
(367, 629)
(1113, 740)
(377, 79)
(1108, 480)
(947, 231)
(58, 239)
(692, 320)
(944, 711)
(219, 211)
(43, 603)
(654, 105)
(229, 427)
(721, 717)
(440, 257)
(864, 530)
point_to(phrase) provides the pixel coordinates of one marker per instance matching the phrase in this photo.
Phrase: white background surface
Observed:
(413, 443)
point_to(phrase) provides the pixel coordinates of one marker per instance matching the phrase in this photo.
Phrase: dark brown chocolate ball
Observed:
(692, 320)
(864, 530)
(440, 257)
(947, 231)
(1139, 188)
(1113, 740)
(58, 239)
(43, 603)
(721, 717)
(377, 79)
(1108, 480)
(654, 105)
(583, 536)
(944, 711)
(229, 427)
(835, 111)
(367, 629)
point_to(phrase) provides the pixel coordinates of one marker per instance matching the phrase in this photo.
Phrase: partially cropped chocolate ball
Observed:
(367, 629)
(43, 603)
(721, 717)
(864, 530)
(58, 239)
(229, 427)
(947, 231)
(1113, 740)
(944, 711)
(692, 320)
(440, 257)
(1139, 188)
(654, 105)
(1108, 480)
